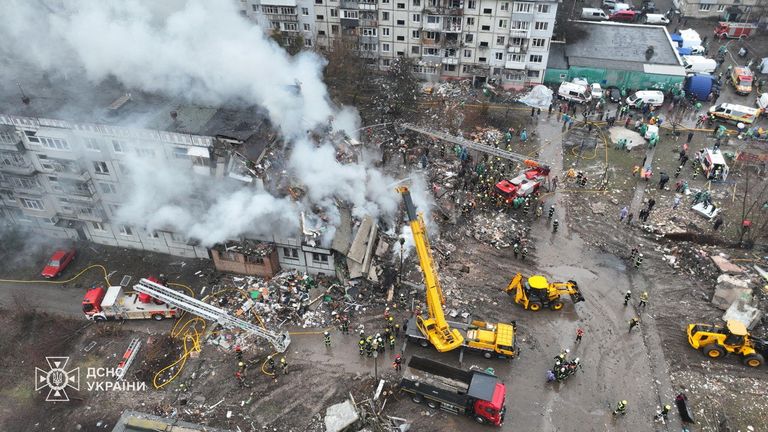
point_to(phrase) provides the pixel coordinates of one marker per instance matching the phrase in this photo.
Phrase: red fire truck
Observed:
(526, 183)
(100, 304)
(733, 30)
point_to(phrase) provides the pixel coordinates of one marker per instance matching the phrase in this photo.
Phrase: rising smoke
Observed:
(205, 52)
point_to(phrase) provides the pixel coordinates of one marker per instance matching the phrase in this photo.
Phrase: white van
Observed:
(656, 19)
(619, 7)
(574, 92)
(651, 97)
(699, 64)
(734, 113)
(593, 14)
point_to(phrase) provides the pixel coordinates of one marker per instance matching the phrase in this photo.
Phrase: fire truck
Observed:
(734, 30)
(526, 183)
(100, 304)
(473, 393)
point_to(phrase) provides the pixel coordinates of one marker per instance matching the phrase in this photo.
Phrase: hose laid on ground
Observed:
(60, 282)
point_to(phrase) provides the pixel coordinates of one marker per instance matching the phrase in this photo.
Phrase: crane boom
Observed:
(435, 328)
(493, 151)
(279, 341)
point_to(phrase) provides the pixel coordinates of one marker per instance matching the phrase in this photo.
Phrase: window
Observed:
(539, 42)
(385, 16)
(415, 34)
(319, 2)
(483, 44)
(466, 68)
(503, 24)
(307, 43)
(504, 6)
(487, 11)
(117, 146)
(32, 204)
(385, 47)
(415, 49)
(320, 17)
(100, 167)
(471, 4)
(430, 51)
(485, 28)
(226, 255)
(107, 188)
(385, 31)
(31, 136)
(178, 238)
(54, 143)
(348, 14)
(469, 38)
(334, 29)
(322, 32)
(521, 25)
(369, 31)
(515, 57)
(126, 230)
(291, 253)
(153, 234)
(145, 152)
(541, 25)
(253, 259)
(92, 144)
(470, 21)
(416, 3)
(306, 27)
(533, 74)
(401, 5)
(98, 226)
(180, 153)
(288, 10)
(467, 53)
(305, 11)
(319, 258)
(416, 18)
(290, 26)
(400, 22)
(334, 13)
(720, 8)
(542, 8)
(385, 62)
(500, 40)
(499, 56)
(482, 60)
(450, 68)
(400, 38)
(523, 7)
(536, 58)
(703, 7)
(432, 19)
(270, 10)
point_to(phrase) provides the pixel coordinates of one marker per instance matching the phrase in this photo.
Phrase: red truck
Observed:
(100, 304)
(733, 30)
(526, 183)
(473, 393)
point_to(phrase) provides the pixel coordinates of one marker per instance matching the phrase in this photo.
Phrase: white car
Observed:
(762, 101)
(596, 90)
(656, 19)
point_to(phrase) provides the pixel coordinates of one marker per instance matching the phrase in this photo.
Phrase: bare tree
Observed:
(755, 206)
(347, 73)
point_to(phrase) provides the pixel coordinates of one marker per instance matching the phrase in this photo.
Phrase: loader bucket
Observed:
(576, 295)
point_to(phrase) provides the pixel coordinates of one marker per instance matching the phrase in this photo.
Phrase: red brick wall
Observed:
(268, 268)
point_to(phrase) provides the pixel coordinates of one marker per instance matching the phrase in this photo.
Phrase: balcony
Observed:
(451, 43)
(428, 26)
(282, 18)
(349, 4)
(522, 16)
(516, 65)
(452, 27)
(364, 22)
(23, 169)
(517, 49)
(445, 10)
(350, 22)
(368, 54)
(450, 60)
(367, 5)
(520, 33)
(12, 145)
(369, 39)
(432, 59)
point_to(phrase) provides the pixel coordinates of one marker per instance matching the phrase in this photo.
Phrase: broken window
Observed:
(253, 259)
(319, 258)
(228, 256)
(291, 253)
(100, 167)
(126, 230)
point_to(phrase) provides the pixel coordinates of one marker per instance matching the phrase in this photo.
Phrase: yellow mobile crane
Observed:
(493, 340)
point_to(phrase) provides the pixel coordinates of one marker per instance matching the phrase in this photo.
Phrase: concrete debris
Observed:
(726, 266)
(340, 416)
(728, 290)
(742, 311)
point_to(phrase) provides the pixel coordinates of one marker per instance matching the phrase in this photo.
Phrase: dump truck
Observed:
(474, 393)
(493, 340)
(716, 342)
(100, 304)
(536, 292)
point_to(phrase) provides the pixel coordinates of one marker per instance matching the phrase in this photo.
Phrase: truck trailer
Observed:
(491, 340)
(473, 393)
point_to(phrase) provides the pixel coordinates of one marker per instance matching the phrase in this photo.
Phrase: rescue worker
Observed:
(374, 346)
(551, 211)
(397, 330)
(361, 345)
(516, 250)
(539, 210)
(241, 366)
(392, 342)
(398, 363)
(633, 254)
(621, 408)
(240, 379)
(555, 224)
(643, 299)
(677, 171)
(627, 296)
(239, 353)
(327, 339)
(579, 334)
(662, 415)
(526, 207)
(369, 346)
(390, 323)
(638, 261)
(381, 341)
(345, 325)
(387, 333)
(584, 181)
(271, 364)
(284, 366)
(634, 322)
(524, 253)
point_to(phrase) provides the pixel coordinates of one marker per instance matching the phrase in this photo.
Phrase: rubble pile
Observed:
(497, 229)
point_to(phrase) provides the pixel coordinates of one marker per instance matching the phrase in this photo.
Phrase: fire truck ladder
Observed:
(484, 148)
(279, 341)
(128, 357)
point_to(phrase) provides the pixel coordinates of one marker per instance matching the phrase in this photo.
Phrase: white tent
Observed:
(690, 37)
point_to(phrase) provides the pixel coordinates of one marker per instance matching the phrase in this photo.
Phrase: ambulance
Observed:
(741, 78)
(734, 113)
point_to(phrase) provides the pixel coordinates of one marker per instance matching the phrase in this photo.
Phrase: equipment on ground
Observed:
(716, 342)
(474, 393)
(536, 292)
(492, 339)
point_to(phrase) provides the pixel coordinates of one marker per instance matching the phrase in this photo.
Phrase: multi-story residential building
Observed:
(506, 42)
(725, 10)
(68, 178)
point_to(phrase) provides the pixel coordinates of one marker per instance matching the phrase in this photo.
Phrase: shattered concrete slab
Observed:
(726, 266)
(340, 416)
(742, 311)
(360, 243)
(728, 290)
(706, 210)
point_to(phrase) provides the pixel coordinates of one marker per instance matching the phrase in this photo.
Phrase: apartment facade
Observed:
(725, 10)
(496, 41)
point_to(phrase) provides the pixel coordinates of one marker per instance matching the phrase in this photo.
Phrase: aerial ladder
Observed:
(435, 328)
(483, 148)
(279, 341)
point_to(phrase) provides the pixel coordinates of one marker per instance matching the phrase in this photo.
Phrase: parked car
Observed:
(649, 7)
(624, 16)
(613, 94)
(591, 14)
(58, 262)
(609, 4)
(596, 90)
(652, 18)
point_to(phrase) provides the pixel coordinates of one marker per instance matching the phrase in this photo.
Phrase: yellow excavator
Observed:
(493, 340)
(536, 292)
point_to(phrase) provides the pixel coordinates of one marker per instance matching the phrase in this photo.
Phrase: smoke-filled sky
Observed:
(204, 52)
